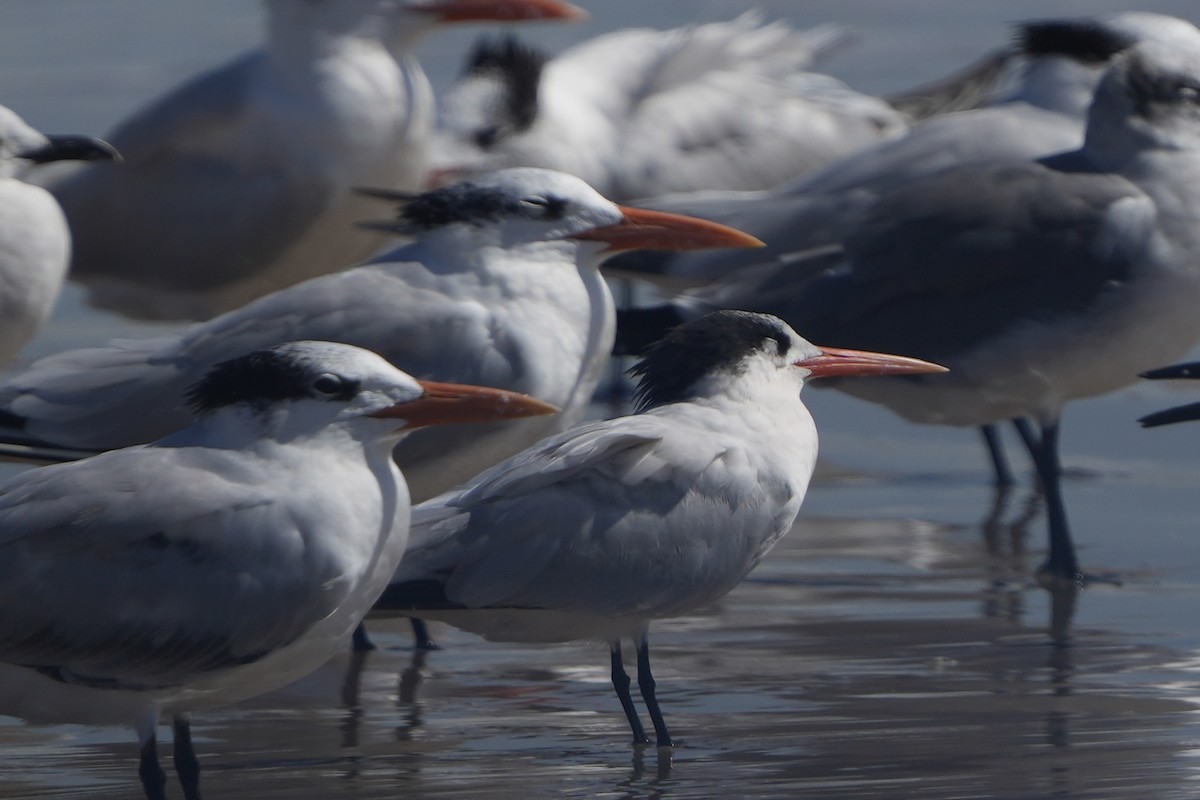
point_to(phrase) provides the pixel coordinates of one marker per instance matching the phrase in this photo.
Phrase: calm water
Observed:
(891, 647)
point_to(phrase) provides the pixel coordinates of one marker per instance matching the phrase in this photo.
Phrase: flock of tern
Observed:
(351, 275)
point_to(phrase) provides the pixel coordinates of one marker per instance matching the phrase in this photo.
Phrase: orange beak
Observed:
(499, 10)
(642, 229)
(453, 403)
(834, 362)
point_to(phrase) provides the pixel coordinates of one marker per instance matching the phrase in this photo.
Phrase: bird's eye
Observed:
(538, 207)
(329, 385)
(1187, 94)
(486, 138)
(535, 207)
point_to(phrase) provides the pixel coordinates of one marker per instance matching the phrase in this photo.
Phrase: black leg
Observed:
(1001, 472)
(421, 639)
(1030, 437)
(154, 780)
(361, 642)
(620, 682)
(1061, 563)
(187, 766)
(646, 685)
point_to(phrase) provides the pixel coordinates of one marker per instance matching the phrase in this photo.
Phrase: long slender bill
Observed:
(500, 10)
(836, 362)
(452, 403)
(642, 229)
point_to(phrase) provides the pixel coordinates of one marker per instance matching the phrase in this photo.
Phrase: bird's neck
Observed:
(307, 31)
(1058, 84)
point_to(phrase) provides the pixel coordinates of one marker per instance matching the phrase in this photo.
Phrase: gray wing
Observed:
(209, 190)
(97, 397)
(946, 262)
(110, 578)
(620, 517)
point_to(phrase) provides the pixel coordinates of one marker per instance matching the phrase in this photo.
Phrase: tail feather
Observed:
(126, 393)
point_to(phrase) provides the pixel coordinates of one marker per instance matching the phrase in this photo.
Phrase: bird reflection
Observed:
(1008, 565)
(637, 786)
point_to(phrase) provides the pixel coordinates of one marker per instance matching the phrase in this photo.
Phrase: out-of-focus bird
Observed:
(595, 532)
(500, 286)
(35, 245)
(641, 112)
(1036, 282)
(240, 181)
(1036, 106)
(219, 563)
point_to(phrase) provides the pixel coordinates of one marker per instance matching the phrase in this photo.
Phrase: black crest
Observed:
(262, 378)
(460, 202)
(519, 67)
(1088, 41)
(465, 202)
(688, 352)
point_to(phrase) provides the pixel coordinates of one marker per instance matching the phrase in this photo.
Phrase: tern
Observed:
(499, 286)
(595, 532)
(1036, 282)
(35, 244)
(239, 182)
(1039, 109)
(641, 112)
(223, 561)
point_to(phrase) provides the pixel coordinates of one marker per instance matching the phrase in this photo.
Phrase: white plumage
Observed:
(500, 287)
(240, 181)
(223, 561)
(641, 112)
(35, 244)
(593, 533)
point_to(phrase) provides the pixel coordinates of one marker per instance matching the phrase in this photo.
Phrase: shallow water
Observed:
(893, 646)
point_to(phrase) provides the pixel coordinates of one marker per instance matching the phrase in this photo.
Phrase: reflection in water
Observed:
(1007, 563)
(636, 786)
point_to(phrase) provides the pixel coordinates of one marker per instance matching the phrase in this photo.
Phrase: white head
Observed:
(1148, 99)
(516, 207)
(299, 390)
(748, 355)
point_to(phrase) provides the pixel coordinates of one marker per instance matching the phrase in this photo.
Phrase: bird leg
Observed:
(1029, 436)
(1061, 563)
(361, 641)
(995, 447)
(620, 682)
(154, 780)
(646, 685)
(421, 638)
(187, 766)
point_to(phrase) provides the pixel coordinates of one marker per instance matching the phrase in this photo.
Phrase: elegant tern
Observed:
(595, 532)
(223, 561)
(499, 286)
(1036, 282)
(240, 181)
